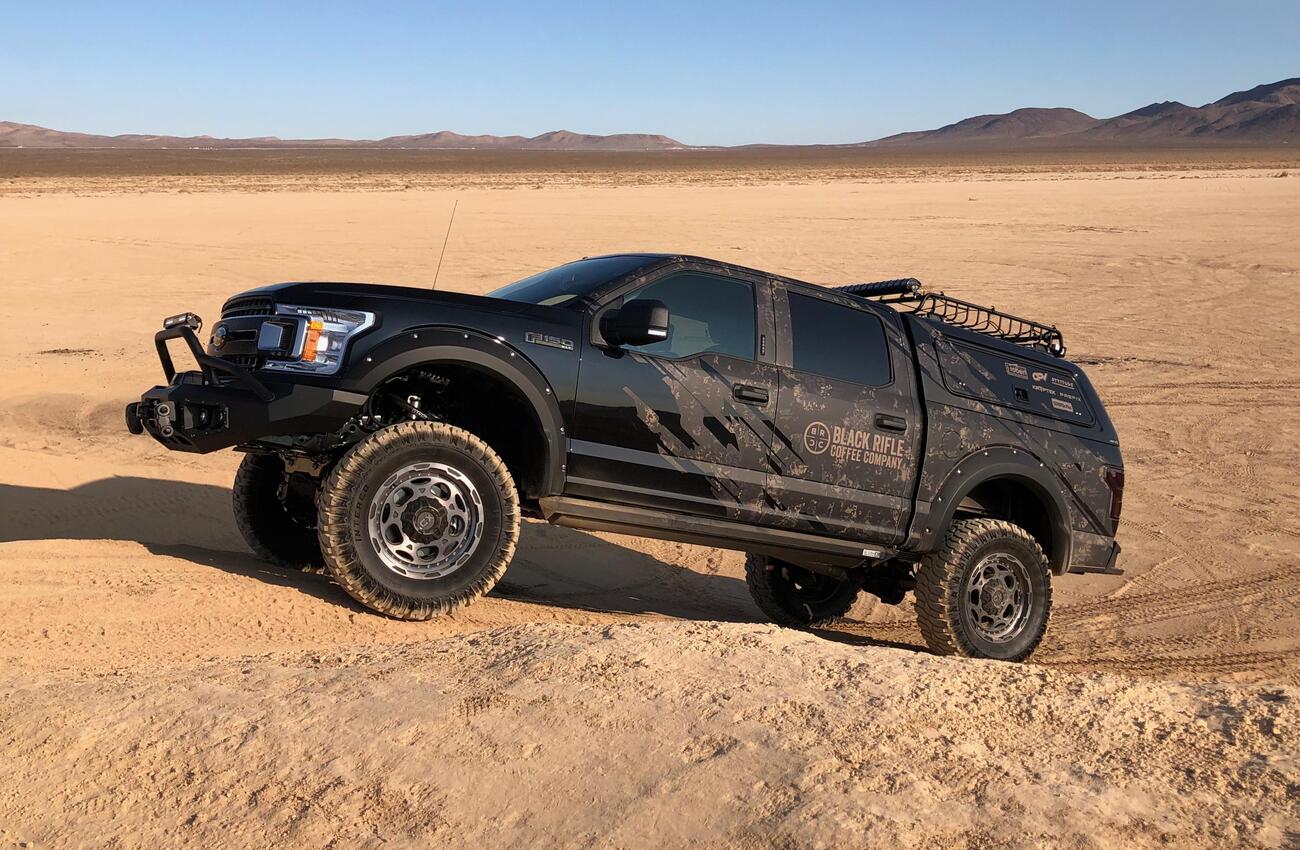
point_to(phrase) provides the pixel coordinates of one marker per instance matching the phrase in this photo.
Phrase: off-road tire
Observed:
(345, 500)
(774, 586)
(276, 534)
(942, 582)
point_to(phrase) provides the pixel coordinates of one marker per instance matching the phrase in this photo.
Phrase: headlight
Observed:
(309, 339)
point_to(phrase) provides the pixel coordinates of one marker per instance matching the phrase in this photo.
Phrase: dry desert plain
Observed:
(161, 687)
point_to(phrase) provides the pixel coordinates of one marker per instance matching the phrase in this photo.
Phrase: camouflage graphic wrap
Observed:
(885, 464)
(672, 433)
(976, 420)
(836, 468)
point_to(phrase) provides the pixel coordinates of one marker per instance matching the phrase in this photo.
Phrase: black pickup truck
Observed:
(870, 437)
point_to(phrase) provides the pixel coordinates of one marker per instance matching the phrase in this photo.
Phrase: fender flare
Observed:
(487, 354)
(1001, 462)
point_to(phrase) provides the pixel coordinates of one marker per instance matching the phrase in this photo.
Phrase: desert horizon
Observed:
(29, 172)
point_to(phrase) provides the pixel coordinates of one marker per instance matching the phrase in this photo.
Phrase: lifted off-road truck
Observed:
(871, 437)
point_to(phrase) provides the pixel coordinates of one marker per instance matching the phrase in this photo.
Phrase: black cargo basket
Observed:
(906, 295)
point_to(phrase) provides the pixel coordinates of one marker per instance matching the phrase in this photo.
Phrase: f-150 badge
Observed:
(548, 340)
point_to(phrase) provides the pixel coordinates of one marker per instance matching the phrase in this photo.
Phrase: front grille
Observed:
(241, 341)
(248, 361)
(250, 305)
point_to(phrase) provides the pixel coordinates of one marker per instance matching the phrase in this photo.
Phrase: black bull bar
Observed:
(223, 405)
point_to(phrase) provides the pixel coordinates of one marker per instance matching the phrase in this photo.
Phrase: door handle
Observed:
(748, 394)
(890, 423)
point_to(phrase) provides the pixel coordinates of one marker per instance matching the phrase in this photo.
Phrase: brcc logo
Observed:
(817, 437)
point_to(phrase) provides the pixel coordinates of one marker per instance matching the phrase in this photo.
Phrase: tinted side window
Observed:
(838, 342)
(706, 315)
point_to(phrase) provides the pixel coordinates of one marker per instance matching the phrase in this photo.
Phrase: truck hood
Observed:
(371, 296)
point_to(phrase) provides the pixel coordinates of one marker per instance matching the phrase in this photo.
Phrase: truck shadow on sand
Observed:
(553, 566)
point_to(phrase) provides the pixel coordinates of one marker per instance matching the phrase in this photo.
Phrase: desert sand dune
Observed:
(643, 735)
(160, 686)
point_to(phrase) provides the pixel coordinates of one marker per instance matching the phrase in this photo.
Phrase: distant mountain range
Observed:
(1266, 113)
(14, 135)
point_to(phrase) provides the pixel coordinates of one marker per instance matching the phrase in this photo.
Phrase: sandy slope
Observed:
(154, 676)
(644, 735)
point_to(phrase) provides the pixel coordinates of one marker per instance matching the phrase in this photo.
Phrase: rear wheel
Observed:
(986, 594)
(276, 512)
(418, 519)
(796, 597)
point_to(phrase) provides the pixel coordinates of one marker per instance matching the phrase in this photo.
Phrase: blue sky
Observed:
(705, 73)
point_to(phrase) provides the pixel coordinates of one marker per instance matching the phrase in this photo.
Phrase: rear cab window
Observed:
(836, 341)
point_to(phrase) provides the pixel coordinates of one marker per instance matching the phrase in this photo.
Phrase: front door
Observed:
(848, 425)
(683, 424)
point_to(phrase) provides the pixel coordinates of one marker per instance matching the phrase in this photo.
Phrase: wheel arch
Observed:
(491, 357)
(1004, 483)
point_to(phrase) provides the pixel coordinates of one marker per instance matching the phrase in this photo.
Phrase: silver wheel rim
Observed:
(426, 520)
(998, 597)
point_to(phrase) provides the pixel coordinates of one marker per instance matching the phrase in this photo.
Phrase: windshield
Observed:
(572, 280)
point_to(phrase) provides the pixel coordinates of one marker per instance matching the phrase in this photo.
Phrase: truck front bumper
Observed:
(224, 405)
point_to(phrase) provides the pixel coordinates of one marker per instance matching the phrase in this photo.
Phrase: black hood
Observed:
(373, 296)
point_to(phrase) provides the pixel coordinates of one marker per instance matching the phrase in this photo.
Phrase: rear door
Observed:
(683, 424)
(848, 423)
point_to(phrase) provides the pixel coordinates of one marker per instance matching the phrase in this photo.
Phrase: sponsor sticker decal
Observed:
(1015, 370)
(855, 445)
(1061, 404)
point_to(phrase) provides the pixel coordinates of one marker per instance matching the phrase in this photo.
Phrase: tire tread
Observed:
(340, 551)
(763, 590)
(938, 587)
(285, 545)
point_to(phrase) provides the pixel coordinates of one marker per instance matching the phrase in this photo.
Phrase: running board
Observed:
(1105, 571)
(795, 546)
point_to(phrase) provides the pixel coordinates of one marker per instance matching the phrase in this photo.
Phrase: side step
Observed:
(797, 547)
(1105, 571)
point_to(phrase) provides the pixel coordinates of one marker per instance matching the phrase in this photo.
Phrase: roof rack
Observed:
(906, 294)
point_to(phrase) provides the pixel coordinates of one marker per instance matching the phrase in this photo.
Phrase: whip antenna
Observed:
(450, 221)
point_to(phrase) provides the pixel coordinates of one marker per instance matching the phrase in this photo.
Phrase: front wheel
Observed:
(986, 594)
(418, 519)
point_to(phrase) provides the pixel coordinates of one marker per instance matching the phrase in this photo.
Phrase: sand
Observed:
(159, 686)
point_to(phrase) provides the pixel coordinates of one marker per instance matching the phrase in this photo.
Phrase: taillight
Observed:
(1115, 481)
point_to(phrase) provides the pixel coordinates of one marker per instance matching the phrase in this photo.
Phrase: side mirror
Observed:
(639, 322)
